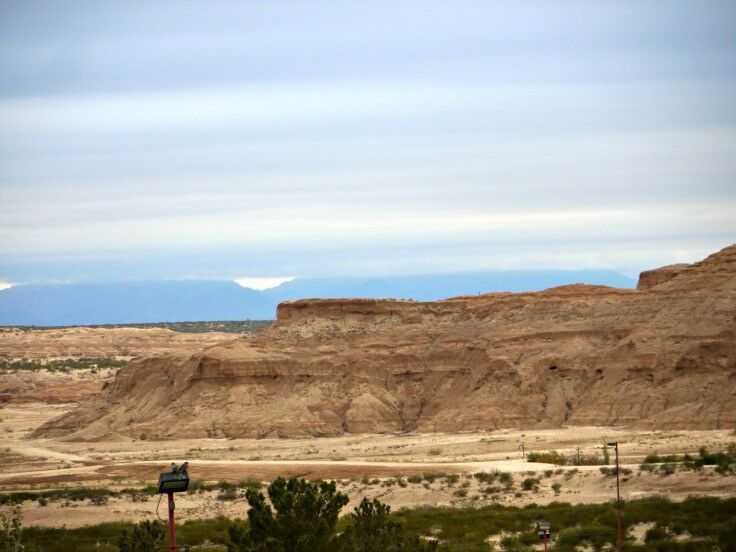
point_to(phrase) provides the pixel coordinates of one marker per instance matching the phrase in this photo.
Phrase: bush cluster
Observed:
(225, 487)
(554, 457)
(724, 461)
(60, 365)
(76, 494)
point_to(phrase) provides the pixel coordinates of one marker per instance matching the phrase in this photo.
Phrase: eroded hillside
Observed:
(660, 356)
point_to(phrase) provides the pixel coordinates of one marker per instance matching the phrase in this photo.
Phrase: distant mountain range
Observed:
(204, 300)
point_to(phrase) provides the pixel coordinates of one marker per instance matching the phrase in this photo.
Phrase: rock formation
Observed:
(662, 356)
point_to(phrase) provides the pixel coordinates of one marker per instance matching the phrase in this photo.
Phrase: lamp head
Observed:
(174, 481)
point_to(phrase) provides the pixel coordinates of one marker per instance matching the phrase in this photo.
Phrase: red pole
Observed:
(619, 539)
(545, 541)
(172, 524)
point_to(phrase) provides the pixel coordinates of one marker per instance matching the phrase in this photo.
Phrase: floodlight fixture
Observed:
(173, 481)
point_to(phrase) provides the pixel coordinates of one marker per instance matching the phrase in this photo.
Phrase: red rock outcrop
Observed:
(661, 356)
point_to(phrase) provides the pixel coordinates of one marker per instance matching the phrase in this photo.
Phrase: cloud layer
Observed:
(184, 141)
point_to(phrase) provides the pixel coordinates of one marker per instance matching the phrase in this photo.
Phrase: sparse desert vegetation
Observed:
(693, 524)
(60, 365)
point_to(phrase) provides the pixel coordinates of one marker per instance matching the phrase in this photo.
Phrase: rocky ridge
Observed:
(661, 356)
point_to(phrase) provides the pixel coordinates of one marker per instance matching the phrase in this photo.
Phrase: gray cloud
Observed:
(176, 140)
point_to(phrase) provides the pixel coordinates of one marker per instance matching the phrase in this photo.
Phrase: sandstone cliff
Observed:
(660, 356)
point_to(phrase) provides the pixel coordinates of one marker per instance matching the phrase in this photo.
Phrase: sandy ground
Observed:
(366, 465)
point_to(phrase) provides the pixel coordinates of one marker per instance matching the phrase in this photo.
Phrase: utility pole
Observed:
(619, 536)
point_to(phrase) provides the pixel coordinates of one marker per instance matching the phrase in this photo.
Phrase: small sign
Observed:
(543, 528)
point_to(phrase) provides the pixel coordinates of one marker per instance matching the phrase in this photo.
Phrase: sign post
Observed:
(543, 528)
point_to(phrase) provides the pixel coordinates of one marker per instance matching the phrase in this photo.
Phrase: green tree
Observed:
(304, 521)
(145, 536)
(12, 527)
(372, 530)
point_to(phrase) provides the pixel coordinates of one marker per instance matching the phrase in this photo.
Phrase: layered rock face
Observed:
(662, 356)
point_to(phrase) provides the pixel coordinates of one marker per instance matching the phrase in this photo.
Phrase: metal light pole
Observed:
(174, 481)
(172, 524)
(619, 536)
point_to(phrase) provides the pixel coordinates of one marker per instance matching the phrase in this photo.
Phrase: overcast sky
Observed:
(226, 140)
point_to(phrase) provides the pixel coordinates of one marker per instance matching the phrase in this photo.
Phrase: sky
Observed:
(155, 140)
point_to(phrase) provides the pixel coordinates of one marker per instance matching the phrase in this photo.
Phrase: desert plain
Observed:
(440, 403)
(403, 469)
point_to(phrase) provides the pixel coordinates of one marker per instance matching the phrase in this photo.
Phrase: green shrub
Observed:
(452, 478)
(249, 484)
(506, 479)
(145, 536)
(11, 530)
(432, 477)
(98, 500)
(552, 457)
(530, 484)
(370, 528)
(486, 477)
(227, 494)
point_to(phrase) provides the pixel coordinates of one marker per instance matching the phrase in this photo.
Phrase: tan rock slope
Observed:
(661, 356)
